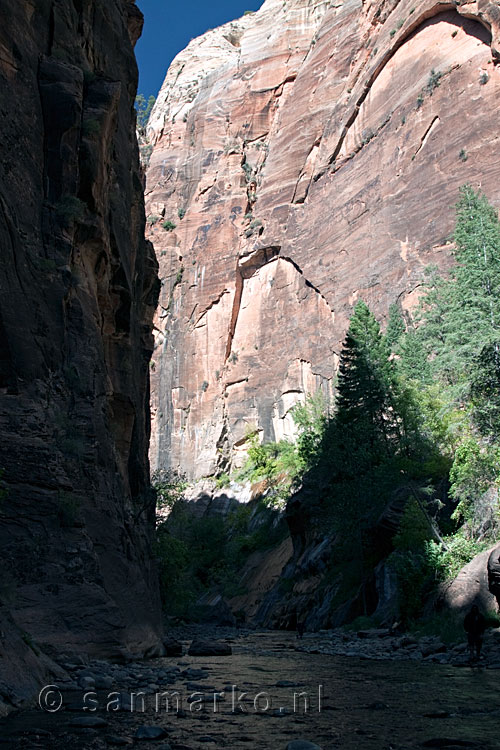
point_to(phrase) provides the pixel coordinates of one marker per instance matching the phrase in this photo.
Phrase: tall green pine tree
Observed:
(462, 312)
(485, 391)
(413, 363)
(365, 384)
(395, 327)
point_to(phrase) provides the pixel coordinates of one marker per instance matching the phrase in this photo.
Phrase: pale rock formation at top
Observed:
(314, 151)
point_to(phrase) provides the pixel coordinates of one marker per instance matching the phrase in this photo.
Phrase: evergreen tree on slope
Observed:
(395, 327)
(364, 384)
(462, 312)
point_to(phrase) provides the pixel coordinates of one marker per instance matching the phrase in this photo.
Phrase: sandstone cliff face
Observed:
(314, 151)
(78, 290)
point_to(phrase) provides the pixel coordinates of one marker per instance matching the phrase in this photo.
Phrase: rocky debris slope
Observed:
(304, 156)
(78, 289)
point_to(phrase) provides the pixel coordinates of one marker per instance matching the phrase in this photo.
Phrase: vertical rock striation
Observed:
(78, 290)
(309, 155)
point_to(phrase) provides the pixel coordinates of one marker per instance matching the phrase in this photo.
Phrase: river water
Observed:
(274, 694)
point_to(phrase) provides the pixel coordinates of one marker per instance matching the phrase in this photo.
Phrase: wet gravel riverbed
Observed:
(272, 691)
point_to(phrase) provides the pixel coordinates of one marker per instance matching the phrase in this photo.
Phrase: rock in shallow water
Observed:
(86, 682)
(450, 743)
(114, 739)
(288, 683)
(150, 733)
(103, 682)
(172, 647)
(88, 722)
(209, 648)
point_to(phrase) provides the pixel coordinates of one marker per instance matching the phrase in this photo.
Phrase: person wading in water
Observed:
(475, 625)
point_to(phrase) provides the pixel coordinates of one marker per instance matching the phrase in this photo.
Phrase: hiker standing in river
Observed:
(474, 625)
(300, 625)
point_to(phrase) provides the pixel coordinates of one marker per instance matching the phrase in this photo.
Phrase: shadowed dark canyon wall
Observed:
(309, 155)
(78, 291)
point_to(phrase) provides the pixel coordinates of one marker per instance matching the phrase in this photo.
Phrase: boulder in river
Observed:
(88, 722)
(150, 733)
(172, 647)
(471, 585)
(209, 648)
(494, 573)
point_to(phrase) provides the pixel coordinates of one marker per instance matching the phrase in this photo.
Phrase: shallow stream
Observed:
(353, 704)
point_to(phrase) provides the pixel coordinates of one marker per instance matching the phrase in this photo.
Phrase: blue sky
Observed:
(169, 25)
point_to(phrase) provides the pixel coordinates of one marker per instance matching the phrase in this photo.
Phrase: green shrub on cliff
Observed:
(281, 465)
(169, 486)
(433, 81)
(70, 209)
(143, 110)
(169, 226)
(90, 127)
(311, 419)
(145, 151)
(276, 465)
(460, 550)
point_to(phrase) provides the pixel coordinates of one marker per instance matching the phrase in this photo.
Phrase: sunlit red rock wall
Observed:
(313, 163)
